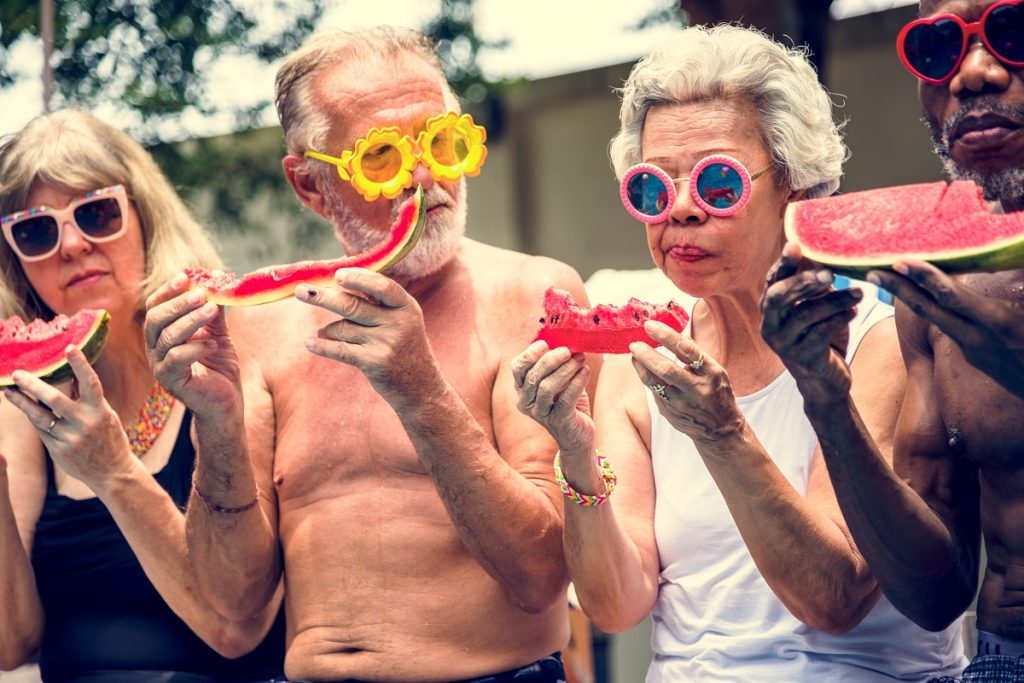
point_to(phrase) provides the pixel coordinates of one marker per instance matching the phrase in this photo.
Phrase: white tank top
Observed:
(716, 619)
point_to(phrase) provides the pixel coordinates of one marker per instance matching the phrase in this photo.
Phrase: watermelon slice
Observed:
(38, 347)
(273, 283)
(947, 225)
(603, 328)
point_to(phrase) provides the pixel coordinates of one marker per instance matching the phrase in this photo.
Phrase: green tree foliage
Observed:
(150, 55)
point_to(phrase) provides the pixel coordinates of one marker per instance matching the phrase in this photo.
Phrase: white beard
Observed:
(436, 247)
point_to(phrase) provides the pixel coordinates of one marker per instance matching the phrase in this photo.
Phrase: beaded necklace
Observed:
(150, 421)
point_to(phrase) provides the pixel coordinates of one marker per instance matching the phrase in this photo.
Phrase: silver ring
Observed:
(699, 363)
(49, 427)
(659, 390)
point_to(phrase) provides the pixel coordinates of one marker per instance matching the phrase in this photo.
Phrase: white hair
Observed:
(727, 62)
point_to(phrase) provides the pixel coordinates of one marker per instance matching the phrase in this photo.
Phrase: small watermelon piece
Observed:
(948, 225)
(273, 283)
(38, 347)
(603, 328)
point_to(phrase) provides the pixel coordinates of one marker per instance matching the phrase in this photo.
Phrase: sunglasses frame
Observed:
(413, 151)
(966, 30)
(670, 183)
(61, 216)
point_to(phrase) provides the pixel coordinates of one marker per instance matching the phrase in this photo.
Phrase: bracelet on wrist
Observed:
(214, 507)
(608, 476)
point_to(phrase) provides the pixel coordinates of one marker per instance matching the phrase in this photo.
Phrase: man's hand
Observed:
(806, 323)
(989, 331)
(189, 349)
(380, 331)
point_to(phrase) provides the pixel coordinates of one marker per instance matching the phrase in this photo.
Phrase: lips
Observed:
(688, 253)
(983, 130)
(83, 276)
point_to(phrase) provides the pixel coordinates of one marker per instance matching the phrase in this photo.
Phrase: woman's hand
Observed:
(190, 350)
(81, 431)
(694, 394)
(807, 323)
(552, 390)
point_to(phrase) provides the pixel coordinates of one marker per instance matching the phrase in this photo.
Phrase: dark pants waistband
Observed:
(992, 644)
(547, 670)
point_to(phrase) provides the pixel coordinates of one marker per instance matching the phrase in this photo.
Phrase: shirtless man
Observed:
(959, 441)
(411, 507)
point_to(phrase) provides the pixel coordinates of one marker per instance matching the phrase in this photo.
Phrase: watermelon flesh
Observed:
(948, 225)
(273, 283)
(603, 328)
(38, 347)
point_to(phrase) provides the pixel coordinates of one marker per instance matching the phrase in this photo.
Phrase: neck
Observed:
(123, 368)
(728, 327)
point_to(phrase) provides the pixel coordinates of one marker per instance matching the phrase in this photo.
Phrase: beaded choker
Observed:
(150, 421)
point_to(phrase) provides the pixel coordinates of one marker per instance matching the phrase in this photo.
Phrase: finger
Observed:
(379, 287)
(547, 364)
(169, 290)
(947, 292)
(787, 264)
(38, 415)
(779, 298)
(824, 331)
(52, 399)
(810, 312)
(175, 321)
(922, 303)
(685, 349)
(556, 382)
(346, 304)
(522, 363)
(177, 364)
(344, 331)
(90, 389)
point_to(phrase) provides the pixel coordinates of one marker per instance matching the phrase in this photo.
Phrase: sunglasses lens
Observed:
(1004, 30)
(647, 194)
(381, 163)
(36, 236)
(934, 49)
(100, 218)
(450, 146)
(720, 185)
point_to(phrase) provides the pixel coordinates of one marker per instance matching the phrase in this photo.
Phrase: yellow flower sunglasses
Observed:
(382, 162)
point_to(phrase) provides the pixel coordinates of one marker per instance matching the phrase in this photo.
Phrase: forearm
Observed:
(801, 552)
(920, 563)
(21, 612)
(234, 554)
(506, 521)
(614, 585)
(155, 529)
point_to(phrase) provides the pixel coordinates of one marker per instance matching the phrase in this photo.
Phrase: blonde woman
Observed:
(95, 577)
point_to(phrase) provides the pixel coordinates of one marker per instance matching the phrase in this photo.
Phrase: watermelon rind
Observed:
(1006, 253)
(55, 370)
(273, 283)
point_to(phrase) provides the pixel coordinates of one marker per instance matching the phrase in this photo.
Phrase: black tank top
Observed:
(102, 613)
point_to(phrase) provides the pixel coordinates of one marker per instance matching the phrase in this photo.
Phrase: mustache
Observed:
(435, 195)
(976, 106)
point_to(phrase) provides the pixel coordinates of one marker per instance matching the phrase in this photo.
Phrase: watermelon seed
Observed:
(597, 319)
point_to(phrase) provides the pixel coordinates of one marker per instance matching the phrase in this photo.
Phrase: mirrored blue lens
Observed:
(720, 185)
(647, 193)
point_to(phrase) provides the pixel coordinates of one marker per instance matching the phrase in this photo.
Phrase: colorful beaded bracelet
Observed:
(586, 500)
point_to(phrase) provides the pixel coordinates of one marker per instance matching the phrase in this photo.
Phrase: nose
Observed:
(979, 73)
(72, 242)
(684, 210)
(421, 176)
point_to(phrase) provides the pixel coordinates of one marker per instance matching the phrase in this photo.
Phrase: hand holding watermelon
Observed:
(987, 326)
(552, 389)
(190, 351)
(806, 323)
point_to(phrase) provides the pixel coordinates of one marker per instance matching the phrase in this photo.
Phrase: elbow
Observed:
(539, 596)
(231, 645)
(14, 655)
(840, 609)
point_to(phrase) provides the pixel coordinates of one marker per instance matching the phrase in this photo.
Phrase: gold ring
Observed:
(49, 428)
(699, 363)
(659, 389)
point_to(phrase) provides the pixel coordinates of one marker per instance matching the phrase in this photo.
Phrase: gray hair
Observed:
(305, 125)
(729, 62)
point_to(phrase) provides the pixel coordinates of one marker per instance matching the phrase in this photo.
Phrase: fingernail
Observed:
(310, 343)
(824, 276)
(209, 308)
(179, 280)
(196, 297)
(857, 294)
(901, 268)
(874, 279)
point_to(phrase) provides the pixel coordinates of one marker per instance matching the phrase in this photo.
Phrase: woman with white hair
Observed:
(723, 521)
